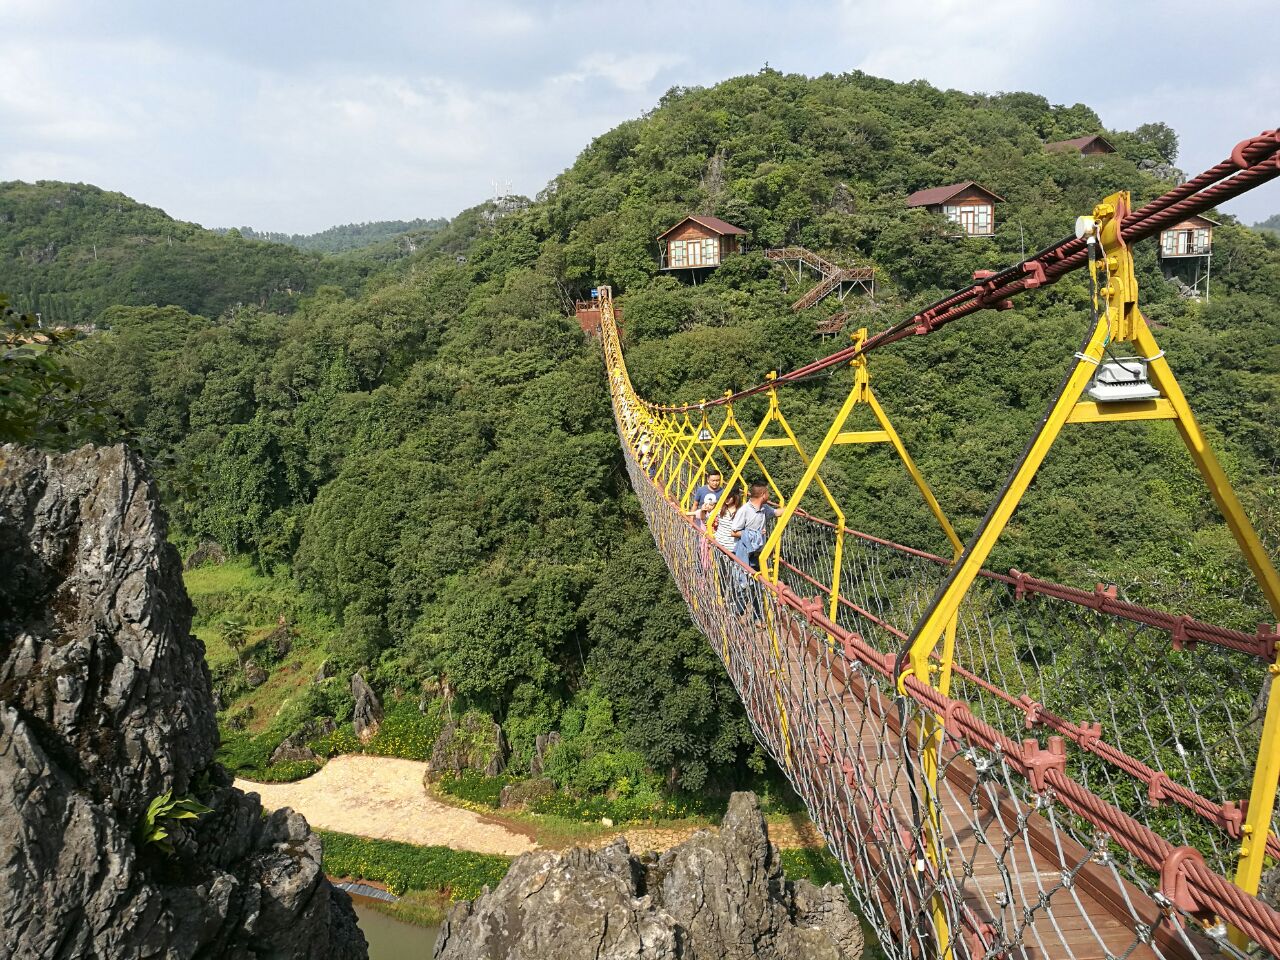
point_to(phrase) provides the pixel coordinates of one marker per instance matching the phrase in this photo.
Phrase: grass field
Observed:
(236, 574)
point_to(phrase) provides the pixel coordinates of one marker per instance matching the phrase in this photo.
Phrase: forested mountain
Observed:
(350, 236)
(69, 251)
(432, 464)
(1271, 224)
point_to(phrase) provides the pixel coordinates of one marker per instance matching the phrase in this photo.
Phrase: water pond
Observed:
(391, 939)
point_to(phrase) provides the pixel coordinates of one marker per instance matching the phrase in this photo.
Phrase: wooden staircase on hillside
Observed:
(833, 279)
(832, 325)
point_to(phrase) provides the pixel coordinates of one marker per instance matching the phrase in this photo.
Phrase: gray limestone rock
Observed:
(368, 710)
(714, 896)
(296, 746)
(1162, 171)
(473, 742)
(498, 762)
(207, 552)
(543, 744)
(525, 792)
(105, 704)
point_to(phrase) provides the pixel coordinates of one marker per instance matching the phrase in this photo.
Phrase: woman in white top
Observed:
(724, 523)
(731, 502)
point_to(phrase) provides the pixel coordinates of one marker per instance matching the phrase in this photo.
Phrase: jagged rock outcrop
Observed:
(105, 705)
(715, 897)
(279, 642)
(207, 552)
(543, 744)
(473, 742)
(523, 793)
(367, 715)
(296, 746)
(1162, 171)
(1269, 888)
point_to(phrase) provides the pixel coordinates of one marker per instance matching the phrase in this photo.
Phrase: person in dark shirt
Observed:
(713, 488)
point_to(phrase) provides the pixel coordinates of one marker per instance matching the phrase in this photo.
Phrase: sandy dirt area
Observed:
(382, 797)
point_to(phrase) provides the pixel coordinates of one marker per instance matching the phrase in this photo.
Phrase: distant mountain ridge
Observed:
(70, 250)
(347, 236)
(1271, 224)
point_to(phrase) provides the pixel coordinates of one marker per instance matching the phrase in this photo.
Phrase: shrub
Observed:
(474, 787)
(242, 752)
(815, 864)
(402, 866)
(283, 772)
(640, 807)
(341, 740)
(405, 732)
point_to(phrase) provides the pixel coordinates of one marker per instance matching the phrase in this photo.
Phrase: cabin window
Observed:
(974, 219)
(1185, 243)
(709, 252)
(677, 253)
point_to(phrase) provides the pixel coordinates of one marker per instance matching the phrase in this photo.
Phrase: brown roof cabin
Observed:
(1192, 237)
(1088, 146)
(967, 204)
(699, 242)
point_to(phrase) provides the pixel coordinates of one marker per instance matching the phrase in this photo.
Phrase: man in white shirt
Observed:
(750, 519)
(749, 530)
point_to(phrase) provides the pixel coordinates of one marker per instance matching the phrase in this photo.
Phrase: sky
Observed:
(294, 115)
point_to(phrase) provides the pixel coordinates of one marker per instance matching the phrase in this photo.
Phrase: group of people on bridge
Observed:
(739, 527)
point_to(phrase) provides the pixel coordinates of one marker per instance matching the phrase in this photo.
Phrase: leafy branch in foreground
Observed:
(41, 399)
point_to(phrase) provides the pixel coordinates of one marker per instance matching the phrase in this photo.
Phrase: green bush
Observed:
(641, 807)
(405, 732)
(283, 772)
(815, 864)
(474, 787)
(341, 740)
(402, 866)
(249, 755)
(242, 752)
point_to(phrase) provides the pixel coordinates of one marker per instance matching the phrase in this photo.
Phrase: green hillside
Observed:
(407, 234)
(428, 470)
(69, 251)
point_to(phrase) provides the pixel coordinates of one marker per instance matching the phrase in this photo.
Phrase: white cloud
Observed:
(951, 43)
(631, 72)
(1221, 115)
(299, 114)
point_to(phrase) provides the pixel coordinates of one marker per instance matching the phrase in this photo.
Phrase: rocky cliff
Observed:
(715, 896)
(105, 705)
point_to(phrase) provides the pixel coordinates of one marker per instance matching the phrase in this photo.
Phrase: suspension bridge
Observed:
(1005, 766)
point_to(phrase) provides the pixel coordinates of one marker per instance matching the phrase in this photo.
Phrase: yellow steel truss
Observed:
(1120, 321)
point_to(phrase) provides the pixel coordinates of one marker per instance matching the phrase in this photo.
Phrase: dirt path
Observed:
(382, 797)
